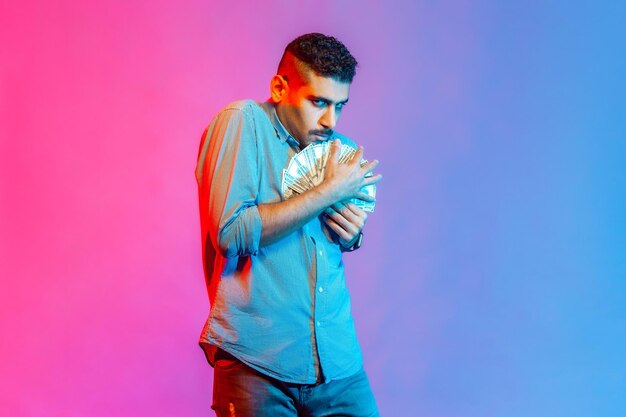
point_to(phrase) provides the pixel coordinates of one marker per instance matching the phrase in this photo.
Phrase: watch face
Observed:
(356, 245)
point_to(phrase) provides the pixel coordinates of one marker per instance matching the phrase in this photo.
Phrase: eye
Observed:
(339, 106)
(319, 103)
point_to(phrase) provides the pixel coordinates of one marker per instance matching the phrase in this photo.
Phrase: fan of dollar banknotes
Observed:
(306, 170)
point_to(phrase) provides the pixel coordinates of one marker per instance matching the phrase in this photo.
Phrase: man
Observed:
(280, 334)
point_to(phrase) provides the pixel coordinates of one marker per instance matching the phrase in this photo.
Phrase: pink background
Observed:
(492, 277)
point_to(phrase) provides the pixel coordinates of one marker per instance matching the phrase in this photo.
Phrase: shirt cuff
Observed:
(251, 230)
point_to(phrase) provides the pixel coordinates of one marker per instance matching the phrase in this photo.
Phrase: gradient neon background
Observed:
(492, 281)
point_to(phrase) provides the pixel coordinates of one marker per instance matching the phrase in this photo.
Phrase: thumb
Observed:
(335, 150)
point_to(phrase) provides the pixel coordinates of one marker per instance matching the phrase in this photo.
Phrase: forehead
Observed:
(325, 87)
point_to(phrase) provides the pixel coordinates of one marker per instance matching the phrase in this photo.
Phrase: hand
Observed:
(345, 180)
(346, 220)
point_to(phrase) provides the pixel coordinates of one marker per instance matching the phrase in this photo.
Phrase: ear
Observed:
(278, 88)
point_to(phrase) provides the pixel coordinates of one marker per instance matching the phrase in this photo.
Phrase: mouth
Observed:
(320, 136)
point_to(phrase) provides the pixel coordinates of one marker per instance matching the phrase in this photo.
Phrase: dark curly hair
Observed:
(325, 55)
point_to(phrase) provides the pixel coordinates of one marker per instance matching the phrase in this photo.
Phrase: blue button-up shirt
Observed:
(281, 308)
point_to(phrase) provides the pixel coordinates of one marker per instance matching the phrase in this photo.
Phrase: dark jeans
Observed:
(240, 391)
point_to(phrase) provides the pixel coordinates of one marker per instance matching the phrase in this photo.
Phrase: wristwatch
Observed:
(356, 244)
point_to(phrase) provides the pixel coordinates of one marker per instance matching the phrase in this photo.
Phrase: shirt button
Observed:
(321, 289)
(321, 253)
(318, 323)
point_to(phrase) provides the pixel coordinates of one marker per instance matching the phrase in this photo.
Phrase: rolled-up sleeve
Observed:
(228, 181)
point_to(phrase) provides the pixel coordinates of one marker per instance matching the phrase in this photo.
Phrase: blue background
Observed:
(492, 279)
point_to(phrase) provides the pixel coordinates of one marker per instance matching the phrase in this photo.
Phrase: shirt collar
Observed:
(281, 132)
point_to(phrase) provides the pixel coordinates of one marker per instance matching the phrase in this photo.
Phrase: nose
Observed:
(329, 118)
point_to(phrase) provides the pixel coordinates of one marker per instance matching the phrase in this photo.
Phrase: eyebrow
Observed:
(326, 100)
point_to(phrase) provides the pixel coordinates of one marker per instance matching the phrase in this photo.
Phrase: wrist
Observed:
(326, 194)
(353, 245)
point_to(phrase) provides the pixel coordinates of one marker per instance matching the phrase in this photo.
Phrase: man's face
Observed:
(312, 107)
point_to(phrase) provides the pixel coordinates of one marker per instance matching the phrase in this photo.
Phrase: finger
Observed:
(335, 150)
(370, 166)
(342, 209)
(351, 226)
(358, 155)
(365, 197)
(345, 236)
(334, 208)
(338, 217)
(356, 211)
(353, 214)
(372, 180)
(347, 209)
